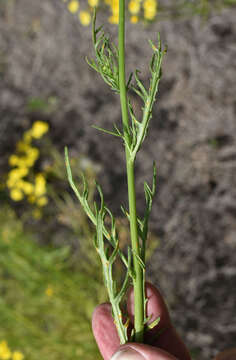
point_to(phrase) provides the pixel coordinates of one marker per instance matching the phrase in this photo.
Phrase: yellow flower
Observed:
(134, 7)
(40, 185)
(150, 9)
(93, 3)
(31, 156)
(25, 161)
(23, 171)
(115, 8)
(16, 175)
(26, 187)
(42, 201)
(149, 4)
(39, 128)
(73, 6)
(13, 160)
(22, 162)
(5, 352)
(16, 195)
(149, 14)
(11, 182)
(85, 18)
(49, 291)
(134, 19)
(17, 355)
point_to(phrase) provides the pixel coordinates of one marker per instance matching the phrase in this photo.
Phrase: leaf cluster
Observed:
(106, 63)
(106, 55)
(107, 260)
(98, 216)
(148, 96)
(107, 245)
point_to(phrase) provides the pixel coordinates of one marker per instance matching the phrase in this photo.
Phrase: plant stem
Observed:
(138, 280)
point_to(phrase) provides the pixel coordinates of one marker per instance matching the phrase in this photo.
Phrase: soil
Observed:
(192, 138)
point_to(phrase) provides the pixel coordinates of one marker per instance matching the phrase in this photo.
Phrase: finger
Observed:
(155, 306)
(133, 351)
(104, 331)
(164, 334)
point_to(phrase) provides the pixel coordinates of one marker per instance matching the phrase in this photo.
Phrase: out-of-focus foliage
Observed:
(46, 298)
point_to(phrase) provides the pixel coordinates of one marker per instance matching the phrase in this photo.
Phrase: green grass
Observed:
(45, 302)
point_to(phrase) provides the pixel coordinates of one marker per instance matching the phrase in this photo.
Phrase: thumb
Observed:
(133, 351)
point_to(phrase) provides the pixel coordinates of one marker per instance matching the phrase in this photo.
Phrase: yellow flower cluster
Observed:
(85, 15)
(150, 9)
(138, 9)
(135, 8)
(22, 162)
(114, 6)
(7, 354)
(93, 3)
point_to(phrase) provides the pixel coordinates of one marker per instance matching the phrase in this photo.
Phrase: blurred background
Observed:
(50, 277)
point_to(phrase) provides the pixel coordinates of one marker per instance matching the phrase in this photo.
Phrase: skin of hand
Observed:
(164, 345)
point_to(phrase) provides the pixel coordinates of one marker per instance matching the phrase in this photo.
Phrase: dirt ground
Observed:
(192, 138)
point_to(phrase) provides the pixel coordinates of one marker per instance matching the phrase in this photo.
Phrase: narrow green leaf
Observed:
(106, 131)
(129, 81)
(101, 198)
(140, 85)
(139, 259)
(114, 253)
(153, 324)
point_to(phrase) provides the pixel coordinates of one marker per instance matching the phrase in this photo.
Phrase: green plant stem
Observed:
(138, 279)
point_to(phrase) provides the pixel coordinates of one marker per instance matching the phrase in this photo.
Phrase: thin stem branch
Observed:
(122, 79)
(138, 279)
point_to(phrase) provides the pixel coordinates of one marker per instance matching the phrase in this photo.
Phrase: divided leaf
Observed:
(139, 130)
(106, 57)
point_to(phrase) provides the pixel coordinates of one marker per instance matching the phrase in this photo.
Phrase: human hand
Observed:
(165, 346)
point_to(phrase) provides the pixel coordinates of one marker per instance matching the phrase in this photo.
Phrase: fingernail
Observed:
(127, 354)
